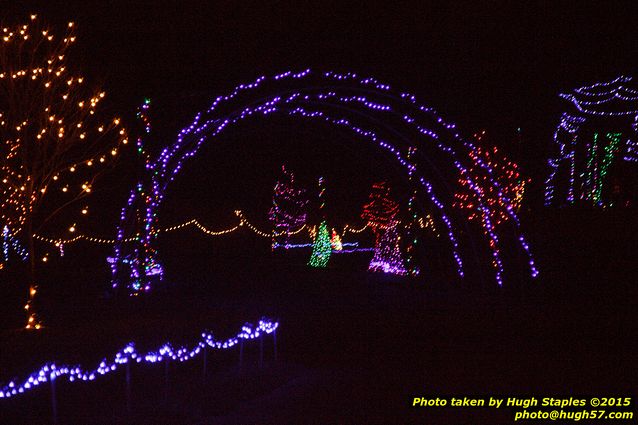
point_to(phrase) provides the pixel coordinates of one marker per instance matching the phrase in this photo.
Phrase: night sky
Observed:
(484, 65)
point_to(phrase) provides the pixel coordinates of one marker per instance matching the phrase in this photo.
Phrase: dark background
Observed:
(483, 65)
(496, 66)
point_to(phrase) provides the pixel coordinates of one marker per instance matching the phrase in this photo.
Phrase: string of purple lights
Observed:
(129, 354)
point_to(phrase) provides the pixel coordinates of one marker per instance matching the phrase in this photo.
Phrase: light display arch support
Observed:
(371, 110)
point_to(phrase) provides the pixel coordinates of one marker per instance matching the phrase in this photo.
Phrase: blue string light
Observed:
(11, 243)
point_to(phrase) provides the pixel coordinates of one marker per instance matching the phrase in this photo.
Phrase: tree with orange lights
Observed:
(52, 136)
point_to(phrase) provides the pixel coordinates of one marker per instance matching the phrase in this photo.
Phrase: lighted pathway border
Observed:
(50, 372)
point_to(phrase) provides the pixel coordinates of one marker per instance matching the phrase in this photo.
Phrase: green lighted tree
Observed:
(322, 248)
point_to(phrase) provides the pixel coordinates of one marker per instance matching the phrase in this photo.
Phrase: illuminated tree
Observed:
(322, 248)
(380, 213)
(51, 135)
(288, 211)
(506, 195)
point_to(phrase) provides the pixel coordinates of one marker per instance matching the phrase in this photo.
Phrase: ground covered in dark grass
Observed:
(352, 347)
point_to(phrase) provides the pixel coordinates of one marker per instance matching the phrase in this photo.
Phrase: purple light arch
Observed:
(367, 108)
